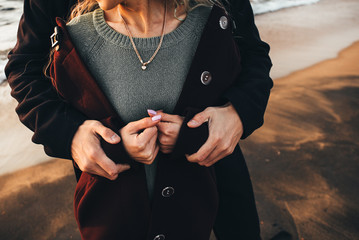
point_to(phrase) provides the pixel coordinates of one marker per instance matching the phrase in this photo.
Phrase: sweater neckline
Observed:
(171, 38)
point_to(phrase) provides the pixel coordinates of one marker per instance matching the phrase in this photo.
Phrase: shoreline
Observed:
(309, 34)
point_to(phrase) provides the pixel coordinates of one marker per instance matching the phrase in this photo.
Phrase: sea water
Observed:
(264, 6)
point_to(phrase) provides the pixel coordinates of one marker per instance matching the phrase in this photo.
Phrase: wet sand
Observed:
(303, 161)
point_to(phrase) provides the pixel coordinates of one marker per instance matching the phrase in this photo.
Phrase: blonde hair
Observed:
(86, 6)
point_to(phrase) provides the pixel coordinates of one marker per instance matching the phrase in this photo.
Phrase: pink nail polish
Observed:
(150, 111)
(157, 117)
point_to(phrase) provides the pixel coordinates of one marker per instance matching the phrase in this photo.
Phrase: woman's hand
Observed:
(87, 152)
(168, 130)
(225, 131)
(141, 146)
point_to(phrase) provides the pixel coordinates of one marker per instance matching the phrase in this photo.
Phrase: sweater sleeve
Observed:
(52, 120)
(250, 93)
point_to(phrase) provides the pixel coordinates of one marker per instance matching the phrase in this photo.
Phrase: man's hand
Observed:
(87, 152)
(141, 146)
(168, 129)
(225, 131)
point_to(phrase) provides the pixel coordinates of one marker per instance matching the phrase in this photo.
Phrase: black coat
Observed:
(41, 109)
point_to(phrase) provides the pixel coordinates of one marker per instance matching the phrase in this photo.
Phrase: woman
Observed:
(93, 183)
(167, 196)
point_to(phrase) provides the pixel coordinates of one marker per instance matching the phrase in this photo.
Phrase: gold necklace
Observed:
(144, 64)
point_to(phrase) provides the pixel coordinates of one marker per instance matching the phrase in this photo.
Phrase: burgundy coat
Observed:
(188, 199)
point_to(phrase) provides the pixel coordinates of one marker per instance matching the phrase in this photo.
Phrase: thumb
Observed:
(107, 134)
(198, 119)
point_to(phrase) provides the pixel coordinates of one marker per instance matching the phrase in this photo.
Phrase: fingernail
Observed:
(150, 111)
(193, 122)
(157, 117)
(114, 137)
(127, 167)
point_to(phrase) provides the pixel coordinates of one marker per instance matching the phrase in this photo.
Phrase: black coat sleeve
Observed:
(52, 120)
(250, 94)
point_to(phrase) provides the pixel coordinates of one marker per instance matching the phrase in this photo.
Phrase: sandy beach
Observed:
(303, 162)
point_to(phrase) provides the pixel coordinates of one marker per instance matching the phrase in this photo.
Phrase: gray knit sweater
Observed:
(112, 61)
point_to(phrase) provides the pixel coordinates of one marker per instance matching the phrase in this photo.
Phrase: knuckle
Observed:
(112, 173)
(201, 158)
(146, 155)
(227, 146)
(140, 146)
(216, 138)
(147, 161)
(162, 139)
(228, 150)
(113, 177)
(95, 123)
(92, 154)
(149, 155)
(167, 131)
(86, 167)
(201, 163)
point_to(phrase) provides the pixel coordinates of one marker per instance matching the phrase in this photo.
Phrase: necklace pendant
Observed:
(144, 67)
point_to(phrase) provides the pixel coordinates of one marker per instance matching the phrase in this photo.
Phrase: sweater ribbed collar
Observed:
(182, 31)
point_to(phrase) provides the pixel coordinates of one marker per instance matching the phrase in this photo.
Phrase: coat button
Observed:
(223, 22)
(160, 237)
(206, 77)
(168, 191)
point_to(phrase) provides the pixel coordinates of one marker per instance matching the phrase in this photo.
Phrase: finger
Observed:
(165, 149)
(151, 112)
(207, 148)
(136, 126)
(94, 168)
(107, 134)
(155, 150)
(213, 157)
(171, 118)
(101, 172)
(164, 128)
(216, 156)
(147, 135)
(214, 160)
(152, 149)
(199, 118)
(98, 170)
(98, 156)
